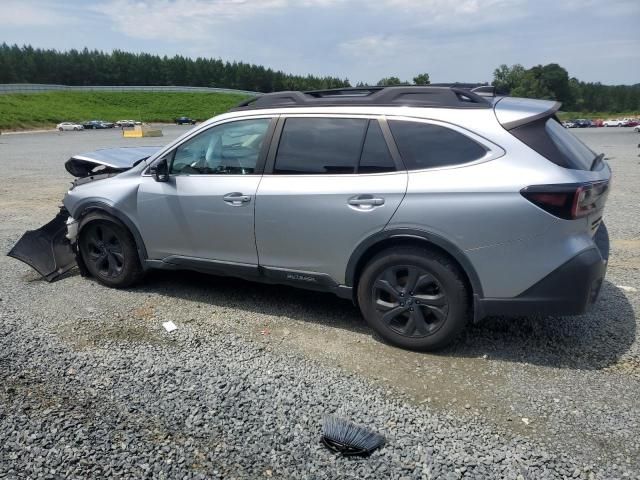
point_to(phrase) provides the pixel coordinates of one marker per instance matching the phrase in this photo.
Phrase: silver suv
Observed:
(428, 206)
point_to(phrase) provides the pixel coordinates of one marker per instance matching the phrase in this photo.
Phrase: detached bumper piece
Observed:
(47, 249)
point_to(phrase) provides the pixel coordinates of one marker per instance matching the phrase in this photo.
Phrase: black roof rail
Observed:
(411, 96)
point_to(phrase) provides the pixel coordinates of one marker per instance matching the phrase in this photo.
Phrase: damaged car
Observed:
(429, 207)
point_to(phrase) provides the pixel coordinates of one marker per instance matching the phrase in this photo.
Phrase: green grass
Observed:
(596, 115)
(20, 111)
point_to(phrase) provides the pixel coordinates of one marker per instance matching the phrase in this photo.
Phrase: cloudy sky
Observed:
(363, 40)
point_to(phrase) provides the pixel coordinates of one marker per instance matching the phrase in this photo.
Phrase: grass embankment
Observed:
(37, 110)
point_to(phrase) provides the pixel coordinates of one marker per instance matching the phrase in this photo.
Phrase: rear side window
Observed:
(424, 145)
(320, 145)
(551, 140)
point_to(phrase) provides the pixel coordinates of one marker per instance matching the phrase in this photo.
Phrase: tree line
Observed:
(93, 67)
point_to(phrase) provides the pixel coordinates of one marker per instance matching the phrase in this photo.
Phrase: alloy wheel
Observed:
(104, 250)
(410, 301)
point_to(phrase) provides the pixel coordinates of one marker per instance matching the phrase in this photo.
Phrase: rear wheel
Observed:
(61, 129)
(414, 298)
(109, 253)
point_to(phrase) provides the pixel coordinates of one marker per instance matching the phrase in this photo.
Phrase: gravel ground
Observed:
(91, 385)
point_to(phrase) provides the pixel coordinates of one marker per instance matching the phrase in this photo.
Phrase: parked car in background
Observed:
(613, 123)
(427, 216)
(69, 126)
(185, 121)
(95, 124)
(125, 123)
(597, 123)
(569, 124)
(582, 123)
(631, 123)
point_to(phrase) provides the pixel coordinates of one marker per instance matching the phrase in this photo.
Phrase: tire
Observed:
(61, 129)
(109, 253)
(428, 316)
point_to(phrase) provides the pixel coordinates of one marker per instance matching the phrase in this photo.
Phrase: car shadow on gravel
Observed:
(593, 341)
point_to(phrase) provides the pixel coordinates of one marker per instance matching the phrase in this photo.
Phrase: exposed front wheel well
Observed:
(409, 241)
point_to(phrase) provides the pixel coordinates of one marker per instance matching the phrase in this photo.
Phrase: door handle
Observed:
(366, 201)
(236, 198)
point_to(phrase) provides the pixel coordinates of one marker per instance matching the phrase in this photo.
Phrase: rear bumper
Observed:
(571, 289)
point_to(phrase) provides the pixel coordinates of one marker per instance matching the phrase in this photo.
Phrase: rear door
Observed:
(330, 182)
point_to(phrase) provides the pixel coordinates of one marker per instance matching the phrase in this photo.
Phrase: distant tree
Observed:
(507, 78)
(422, 79)
(390, 81)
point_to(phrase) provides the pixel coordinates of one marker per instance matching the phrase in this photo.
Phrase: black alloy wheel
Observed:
(410, 300)
(414, 297)
(104, 250)
(109, 252)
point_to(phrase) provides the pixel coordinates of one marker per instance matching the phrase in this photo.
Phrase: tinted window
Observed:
(230, 148)
(320, 145)
(550, 139)
(423, 145)
(375, 156)
(578, 155)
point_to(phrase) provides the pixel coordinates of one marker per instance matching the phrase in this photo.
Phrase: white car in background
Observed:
(613, 123)
(69, 126)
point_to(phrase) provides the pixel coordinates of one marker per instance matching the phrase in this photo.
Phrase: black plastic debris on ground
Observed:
(343, 437)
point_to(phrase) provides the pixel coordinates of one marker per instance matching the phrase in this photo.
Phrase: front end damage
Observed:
(52, 249)
(48, 249)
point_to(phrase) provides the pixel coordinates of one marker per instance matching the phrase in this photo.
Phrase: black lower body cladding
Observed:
(571, 289)
(47, 249)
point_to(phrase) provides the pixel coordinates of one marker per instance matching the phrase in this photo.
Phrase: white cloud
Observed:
(189, 19)
(17, 13)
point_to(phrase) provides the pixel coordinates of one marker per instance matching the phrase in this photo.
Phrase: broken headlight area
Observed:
(49, 249)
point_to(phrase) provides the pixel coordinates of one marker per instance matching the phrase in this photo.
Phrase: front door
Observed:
(206, 209)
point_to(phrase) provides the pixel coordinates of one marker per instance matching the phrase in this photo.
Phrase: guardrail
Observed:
(39, 88)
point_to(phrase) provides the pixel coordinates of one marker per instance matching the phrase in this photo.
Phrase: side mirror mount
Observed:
(160, 171)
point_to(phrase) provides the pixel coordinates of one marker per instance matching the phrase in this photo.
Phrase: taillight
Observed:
(568, 201)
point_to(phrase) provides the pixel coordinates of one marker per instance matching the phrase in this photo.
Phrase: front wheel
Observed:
(61, 129)
(414, 298)
(109, 253)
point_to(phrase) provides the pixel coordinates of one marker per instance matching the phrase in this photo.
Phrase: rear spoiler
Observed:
(515, 112)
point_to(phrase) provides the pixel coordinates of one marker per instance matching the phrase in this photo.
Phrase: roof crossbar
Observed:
(411, 96)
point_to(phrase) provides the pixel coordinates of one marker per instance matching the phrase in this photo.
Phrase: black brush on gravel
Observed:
(341, 436)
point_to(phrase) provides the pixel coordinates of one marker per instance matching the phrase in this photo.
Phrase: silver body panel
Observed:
(305, 223)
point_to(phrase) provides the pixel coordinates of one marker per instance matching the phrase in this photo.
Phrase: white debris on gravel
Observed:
(627, 288)
(169, 326)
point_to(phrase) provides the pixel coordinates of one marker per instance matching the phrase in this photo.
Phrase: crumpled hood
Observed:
(107, 160)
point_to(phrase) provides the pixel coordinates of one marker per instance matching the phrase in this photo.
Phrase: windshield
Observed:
(577, 153)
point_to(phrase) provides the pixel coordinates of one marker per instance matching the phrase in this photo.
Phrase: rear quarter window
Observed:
(425, 145)
(557, 144)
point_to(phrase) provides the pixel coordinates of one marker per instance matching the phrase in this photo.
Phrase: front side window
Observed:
(231, 148)
(320, 145)
(425, 145)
